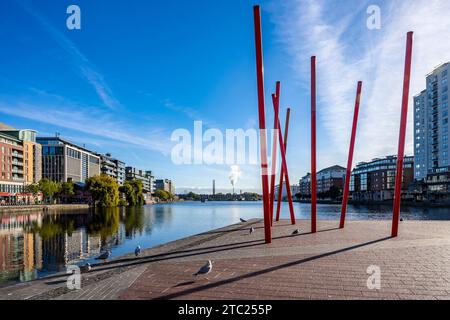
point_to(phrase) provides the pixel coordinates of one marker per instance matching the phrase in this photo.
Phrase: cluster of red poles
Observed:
(269, 188)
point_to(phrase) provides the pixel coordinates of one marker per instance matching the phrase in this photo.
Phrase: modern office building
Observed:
(112, 167)
(165, 184)
(146, 177)
(431, 124)
(375, 180)
(63, 161)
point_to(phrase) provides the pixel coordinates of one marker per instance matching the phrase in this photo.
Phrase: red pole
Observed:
(350, 156)
(276, 106)
(313, 148)
(401, 140)
(286, 173)
(262, 123)
(282, 174)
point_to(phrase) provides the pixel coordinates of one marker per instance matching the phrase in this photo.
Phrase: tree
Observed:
(161, 194)
(32, 188)
(49, 188)
(67, 188)
(104, 190)
(134, 192)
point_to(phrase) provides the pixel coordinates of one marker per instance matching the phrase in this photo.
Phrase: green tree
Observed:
(32, 188)
(49, 189)
(104, 190)
(134, 192)
(67, 188)
(163, 195)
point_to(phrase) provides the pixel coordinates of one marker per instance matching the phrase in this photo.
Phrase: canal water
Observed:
(37, 244)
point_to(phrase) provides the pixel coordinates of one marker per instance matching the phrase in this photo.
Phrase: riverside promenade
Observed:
(331, 264)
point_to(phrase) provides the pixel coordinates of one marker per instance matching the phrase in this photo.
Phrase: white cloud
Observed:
(90, 121)
(347, 52)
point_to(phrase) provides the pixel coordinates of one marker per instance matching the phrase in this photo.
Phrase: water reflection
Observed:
(36, 244)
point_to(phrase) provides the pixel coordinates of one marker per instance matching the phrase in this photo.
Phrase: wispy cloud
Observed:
(347, 52)
(87, 120)
(87, 70)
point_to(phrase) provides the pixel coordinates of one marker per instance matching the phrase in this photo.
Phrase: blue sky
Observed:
(137, 70)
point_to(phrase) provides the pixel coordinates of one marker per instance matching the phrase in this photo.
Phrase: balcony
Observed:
(17, 155)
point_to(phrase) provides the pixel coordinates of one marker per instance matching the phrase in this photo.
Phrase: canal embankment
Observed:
(42, 207)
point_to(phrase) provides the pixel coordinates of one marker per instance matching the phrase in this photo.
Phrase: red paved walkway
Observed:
(331, 264)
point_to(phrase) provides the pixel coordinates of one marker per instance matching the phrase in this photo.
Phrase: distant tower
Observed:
(214, 187)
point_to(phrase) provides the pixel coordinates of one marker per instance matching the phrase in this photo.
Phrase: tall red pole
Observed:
(401, 140)
(276, 106)
(262, 123)
(313, 148)
(286, 173)
(350, 156)
(282, 174)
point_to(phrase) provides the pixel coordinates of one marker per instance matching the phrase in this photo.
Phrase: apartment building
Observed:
(132, 173)
(375, 180)
(431, 124)
(112, 167)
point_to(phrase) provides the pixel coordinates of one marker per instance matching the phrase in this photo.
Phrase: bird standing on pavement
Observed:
(105, 255)
(243, 220)
(86, 268)
(296, 231)
(252, 230)
(137, 251)
(205, 269)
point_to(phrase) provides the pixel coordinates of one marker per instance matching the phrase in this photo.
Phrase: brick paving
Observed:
(331, 264)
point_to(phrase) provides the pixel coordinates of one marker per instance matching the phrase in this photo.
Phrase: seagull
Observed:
(296, 231)
(137, 251)
(401, 219)
(243, 220)
(105, 255)
(86, 268)
(205, 269)
(252, 230)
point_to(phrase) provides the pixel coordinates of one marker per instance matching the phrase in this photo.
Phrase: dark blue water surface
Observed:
(36, 244)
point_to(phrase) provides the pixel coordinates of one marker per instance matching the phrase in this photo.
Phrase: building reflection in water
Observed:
(35, 244)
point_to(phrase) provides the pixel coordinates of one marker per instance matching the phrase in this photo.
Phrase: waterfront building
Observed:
(305, 185)
(326, 179)
(330, 177)
(375, 180)
(65, 161)
(146, 177)
(431, 124)
(12, 168)
(165, 184)
(294, 190)
(112, 167)
(32, 153)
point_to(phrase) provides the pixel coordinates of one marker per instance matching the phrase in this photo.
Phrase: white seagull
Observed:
(205, 269)
(105, 255)
(86, 268)
(296, 231)
(137, 251)
(252, 230)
